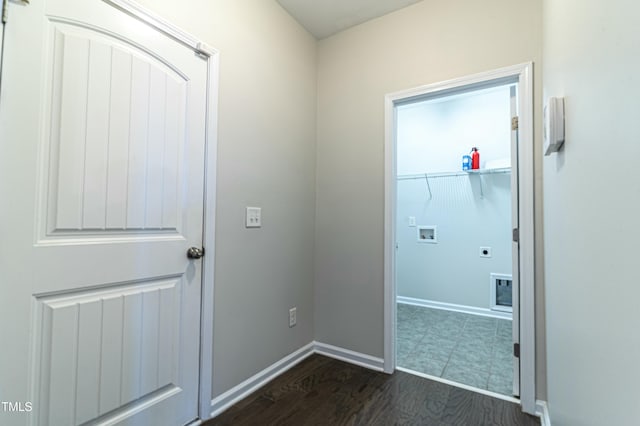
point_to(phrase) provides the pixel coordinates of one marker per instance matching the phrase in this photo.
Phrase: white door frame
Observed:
(2, 26)
(523, 73)
(206, 310)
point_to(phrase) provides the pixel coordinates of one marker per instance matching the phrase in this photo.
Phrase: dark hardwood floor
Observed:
(324, 391)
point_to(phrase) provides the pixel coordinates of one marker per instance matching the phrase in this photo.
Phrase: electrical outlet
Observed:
(253, 216)
(292, 317)
(485, 251)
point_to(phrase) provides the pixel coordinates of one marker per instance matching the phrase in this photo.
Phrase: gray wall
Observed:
(591, 57)
(428, 42)
(268, 157)
(452, 270)
(266, 154)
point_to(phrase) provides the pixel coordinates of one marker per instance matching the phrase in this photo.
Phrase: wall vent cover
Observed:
(501, 292)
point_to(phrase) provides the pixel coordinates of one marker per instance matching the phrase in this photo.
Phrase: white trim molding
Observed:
(208, 239)
(522, 75)
(542, 411)
(460, 385)
(350, 356)
(255, 382)
(143, 14)
(453, 307)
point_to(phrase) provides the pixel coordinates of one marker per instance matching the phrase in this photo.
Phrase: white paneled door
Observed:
(102, 147)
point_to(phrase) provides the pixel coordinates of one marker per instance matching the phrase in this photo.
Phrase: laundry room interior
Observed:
(454, 236)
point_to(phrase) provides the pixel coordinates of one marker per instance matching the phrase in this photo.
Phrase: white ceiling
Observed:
(323, 18)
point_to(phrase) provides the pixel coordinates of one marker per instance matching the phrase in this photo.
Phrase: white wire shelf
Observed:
(457, 173)
(476, 172)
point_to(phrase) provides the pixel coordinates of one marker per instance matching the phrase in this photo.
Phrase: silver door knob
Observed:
(195, 252)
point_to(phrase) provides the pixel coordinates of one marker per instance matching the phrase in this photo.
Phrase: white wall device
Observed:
(553, 125)
(428, 234)
(253, 217)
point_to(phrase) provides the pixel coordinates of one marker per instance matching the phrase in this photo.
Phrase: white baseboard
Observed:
(349, 356)
(253, 383)
(244, 389)
(453, 307)
(542, 411)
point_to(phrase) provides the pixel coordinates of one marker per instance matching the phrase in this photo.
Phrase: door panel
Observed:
(102, 141)
(105, 348)
(515, 246)
(116, 137)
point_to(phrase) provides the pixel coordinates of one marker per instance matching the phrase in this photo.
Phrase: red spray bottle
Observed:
(475, 158)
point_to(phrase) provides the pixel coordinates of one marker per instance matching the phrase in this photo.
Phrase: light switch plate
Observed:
(253, 217)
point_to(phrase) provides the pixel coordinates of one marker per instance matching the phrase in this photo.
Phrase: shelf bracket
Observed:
(426, 178)
(480, 181)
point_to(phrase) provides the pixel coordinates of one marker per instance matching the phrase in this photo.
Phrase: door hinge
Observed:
(5, 9)
(514, 123)
(516, 235)
(5, 13)
(516, 350)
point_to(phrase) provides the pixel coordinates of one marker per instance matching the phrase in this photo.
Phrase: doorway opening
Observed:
(447, 325)
(459, 233)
